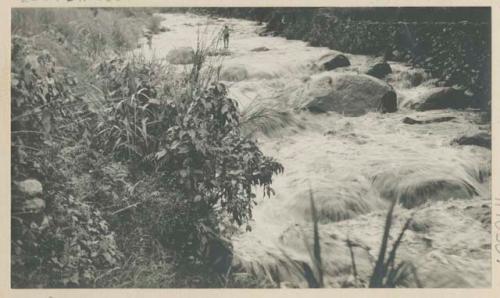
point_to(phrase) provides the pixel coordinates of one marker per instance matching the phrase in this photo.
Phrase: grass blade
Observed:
(377, 278)
(317, 246)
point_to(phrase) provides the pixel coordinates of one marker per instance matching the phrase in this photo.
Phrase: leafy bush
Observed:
(68, 241)
(191, 142)
(134, 160)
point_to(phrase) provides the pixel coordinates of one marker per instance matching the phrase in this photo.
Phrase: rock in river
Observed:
(349, 94)
(443, 98)
(336, 62)
(379, 70)
(480, 139)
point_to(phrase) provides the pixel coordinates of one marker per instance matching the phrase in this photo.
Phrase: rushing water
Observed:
(353, 165)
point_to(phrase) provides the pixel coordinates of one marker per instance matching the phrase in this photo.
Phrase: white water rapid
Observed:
(354, 166)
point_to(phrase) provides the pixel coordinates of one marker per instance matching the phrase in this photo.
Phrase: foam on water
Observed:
(354, 165)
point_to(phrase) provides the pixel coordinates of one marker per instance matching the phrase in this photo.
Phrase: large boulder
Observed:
(182, 55)
(443, 98)
(481, 139)
(234, 73)
(336, 62)
(379, 70)
(349, 94)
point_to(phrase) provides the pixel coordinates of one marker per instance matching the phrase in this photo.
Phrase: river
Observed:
(352, 164)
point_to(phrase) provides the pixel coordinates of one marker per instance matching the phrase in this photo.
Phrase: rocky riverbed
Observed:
(362, 135)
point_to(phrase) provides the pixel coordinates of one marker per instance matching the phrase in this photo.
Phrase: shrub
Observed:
(100, 158)
(68, 241)
(191, 142)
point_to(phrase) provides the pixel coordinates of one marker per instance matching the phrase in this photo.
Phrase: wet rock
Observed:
(260, 49)
(352, 95)
(29, 187)
(336, 62)
(379, 70)
(164, 29)
(409, 120)
(182, 55)
(481, 139)
(443, 98)
(234, 73)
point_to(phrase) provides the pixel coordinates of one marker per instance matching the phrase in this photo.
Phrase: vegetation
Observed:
(145, 172)
(386, 274)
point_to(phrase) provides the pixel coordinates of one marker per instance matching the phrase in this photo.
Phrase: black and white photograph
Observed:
(251, 147)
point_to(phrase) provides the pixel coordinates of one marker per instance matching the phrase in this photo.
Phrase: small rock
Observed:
(443, 98)
(481, 139)
(409, 120)
(260, 49)
(379, 70)
(338, 61)
(29, 187)
(418, 226)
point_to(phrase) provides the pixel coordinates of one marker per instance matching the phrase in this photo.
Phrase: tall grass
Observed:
(79, 36)
(386, 273)
(315, 255)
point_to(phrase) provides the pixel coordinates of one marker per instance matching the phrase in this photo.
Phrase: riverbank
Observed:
(104, 182)
(453, 45)
(65, 232)
(100, 197)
